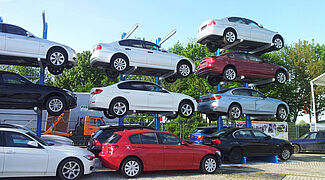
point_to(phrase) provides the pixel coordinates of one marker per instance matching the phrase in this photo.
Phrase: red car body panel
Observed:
(215, 66)
(154, 156)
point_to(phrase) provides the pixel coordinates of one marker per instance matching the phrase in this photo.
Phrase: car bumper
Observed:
(72, 58)
(110, 162)
(211, 107)
(71, 102)
(208, 32)
(89, 165)
(98, 102)
(101, 58)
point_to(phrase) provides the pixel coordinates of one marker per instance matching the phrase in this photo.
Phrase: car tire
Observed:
(229, 36)
(211, 47)
(120, 63)
(278, 42)
(57, 57)
(280, 77)
(55, 70)
(214, 80)
(171, 79)
(296, 149)
(55, 105)
(236, 155)
(112, 74)
(213, 116)
(108, 114)
(131, 167)
(229, 74)
(281, 113)
(186, 109)
(184, 69)
(70, 167)
(285, 154)
(119, 107)
(234, 112)
(209, 164)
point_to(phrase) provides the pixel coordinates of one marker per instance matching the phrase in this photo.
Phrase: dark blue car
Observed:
(197, 136)
(310, 142)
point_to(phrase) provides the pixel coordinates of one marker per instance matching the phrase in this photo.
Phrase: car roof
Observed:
(138, 40)
(118, 126)
(208, 127)
(13, 129)
(128, 132)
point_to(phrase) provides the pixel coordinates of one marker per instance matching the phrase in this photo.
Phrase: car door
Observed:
(251, 146)
(177, 155)
(2, 153)
(246, 101)
(257, 33)
(262, 104)
(259, 68)
(266, 144)
(22, 159)
(17, 41)
(310, 143)
(2, 38)
(134, 48)
(243, 30)
(136, 94)
(155, 56)
(158, 99)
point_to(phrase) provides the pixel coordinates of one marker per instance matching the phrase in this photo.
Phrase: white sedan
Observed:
(20, 47)
(147, 57)
(220, 32)
(125, 97)
(23, 154)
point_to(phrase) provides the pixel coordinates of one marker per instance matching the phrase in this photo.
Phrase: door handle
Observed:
(10, 152)
(9, 37)
(127, 49)
(150, 52)
(151, 94)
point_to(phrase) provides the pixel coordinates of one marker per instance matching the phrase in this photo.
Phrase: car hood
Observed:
(280, 141)
(57, 140)
(69, 149)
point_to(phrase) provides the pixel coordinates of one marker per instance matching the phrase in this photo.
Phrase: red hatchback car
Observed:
(229, 66)
(132, 152)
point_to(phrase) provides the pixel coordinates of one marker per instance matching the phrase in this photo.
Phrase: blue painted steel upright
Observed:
(157, 81)
(1, 20)
(121, 119)
(219, 88)
(248, 119)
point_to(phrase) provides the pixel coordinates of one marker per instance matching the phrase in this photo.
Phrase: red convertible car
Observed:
(229, 66)
(134, 151)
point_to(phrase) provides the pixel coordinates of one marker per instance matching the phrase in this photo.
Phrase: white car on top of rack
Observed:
(220, 32)
(128, 97)
(149, 58)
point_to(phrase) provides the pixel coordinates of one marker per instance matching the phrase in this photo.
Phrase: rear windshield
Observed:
(205, 130)
(114, 138)
(222, 132)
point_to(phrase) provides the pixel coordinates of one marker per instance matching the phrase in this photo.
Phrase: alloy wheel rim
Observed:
(230, 36)
(184, 70)
(55, 105)
(187, 110)
(119, 108)
(278, 43)
(230, 74)
(132, 168)
(285, 154)
(119, 64)
(210, 165)
(281, 78)
(235, 112)
(71, 170)
(57, 58)
(282, 113)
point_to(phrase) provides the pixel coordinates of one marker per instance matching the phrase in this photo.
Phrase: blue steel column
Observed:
(157, 81)
(219, 88)
(1, 19)
(248, 119)
(121, 119)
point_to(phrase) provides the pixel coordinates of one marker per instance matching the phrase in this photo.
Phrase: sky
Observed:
(81, 24)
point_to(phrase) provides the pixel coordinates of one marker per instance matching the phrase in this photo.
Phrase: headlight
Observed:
(89, 157)
(218, 153)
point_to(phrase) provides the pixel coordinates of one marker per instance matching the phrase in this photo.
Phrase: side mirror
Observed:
(267, 138)
(32, 144)
(260, 25)
(29, 34)
(184, 143)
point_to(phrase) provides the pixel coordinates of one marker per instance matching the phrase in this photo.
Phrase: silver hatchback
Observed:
(237, 102)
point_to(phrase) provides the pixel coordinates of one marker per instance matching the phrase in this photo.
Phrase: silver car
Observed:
(236, 102)
(220, 32)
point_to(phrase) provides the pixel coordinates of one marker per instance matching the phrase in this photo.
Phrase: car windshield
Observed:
(40, 140)
(304, 136)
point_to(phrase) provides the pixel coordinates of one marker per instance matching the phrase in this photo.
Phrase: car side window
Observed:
(239, 56)
(15, 139)
(135, 43)
(135, 139)
(241, 92)
(257, 94)
(149, 138)
(93, 122)
(169, 139)
(312, 136)
(253, 58)
(1, 29)
(124, 43)
(2, 143)
(11, 29)
(132, 86)
(233, 19)
(151, 46)
(12, 79)
(243, 134)
(152, 87)
(259, 134)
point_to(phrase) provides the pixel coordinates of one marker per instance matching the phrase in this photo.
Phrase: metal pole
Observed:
(219, 88)
(313, 117)
(157, 120)
(1, 20)
(121, 119)
(248, 119)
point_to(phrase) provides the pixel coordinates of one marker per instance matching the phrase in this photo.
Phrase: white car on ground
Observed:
(149, 59)
(127, 97)
(22, 154)
(220, 32)
(20, 47)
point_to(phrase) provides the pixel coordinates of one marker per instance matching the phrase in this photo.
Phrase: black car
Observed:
(310, 142)
(99, 137)
(236, 143)
(16, 92)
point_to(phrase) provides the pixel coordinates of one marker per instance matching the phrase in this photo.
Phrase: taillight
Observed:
(212, 60)
(199, 137)
(97, 91)
(215, 97)
(216, 141)
(99, 47)
(112, 148)
(200, 100)
(212, 23)
(96, 143)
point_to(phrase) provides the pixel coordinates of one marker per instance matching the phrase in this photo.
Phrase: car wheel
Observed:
(171, 79)
(296, 149)
(70, 169)
(234, 112)
(229, 36)
(280, 77)
(186, 109)
(209, 164)
(213, 116)
(119, 107)
(211, 47)
(108, 114)
(229, 74)
(281, 113)
(57, 57)
(285, 154)
(184, 69)
(55, 105)
(278, 42)
(55, 70)
(131, 167)
(236, 155)
(111, 73)
(120, 63)
(214, 80)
